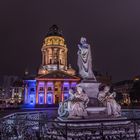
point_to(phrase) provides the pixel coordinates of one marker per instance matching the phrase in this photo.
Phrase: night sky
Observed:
(111, 27)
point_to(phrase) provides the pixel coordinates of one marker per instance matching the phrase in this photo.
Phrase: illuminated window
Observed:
(66, 88)
(15, 96)
(60, 61)
(50, 61)
(73, 88)
(41, 89)
(41, 98)
(66, 95)
(16, 90)
(32, 99)
(32, 89)
(49, 98)
(56, 89)
(49, 88)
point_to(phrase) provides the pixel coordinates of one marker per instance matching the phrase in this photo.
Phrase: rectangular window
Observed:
(16, 90)
(56, 89)
(66, 88)
(66, 95)
(49, 98)
(49, 88)
(32, 89)
(41, 89)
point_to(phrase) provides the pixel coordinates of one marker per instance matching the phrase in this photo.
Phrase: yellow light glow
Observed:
(54, 40)
(136, 79)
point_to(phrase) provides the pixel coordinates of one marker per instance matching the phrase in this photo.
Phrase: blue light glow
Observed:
(41, 98)
(30, 92)
(50, 98)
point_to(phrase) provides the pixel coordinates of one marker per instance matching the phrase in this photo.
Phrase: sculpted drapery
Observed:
(75, 105)
(108, 100)
(85, 59)
(79, 104)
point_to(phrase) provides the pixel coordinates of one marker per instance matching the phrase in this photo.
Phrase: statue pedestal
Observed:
(91, 87)
(93, 128)
(91, 121)
(94, 114)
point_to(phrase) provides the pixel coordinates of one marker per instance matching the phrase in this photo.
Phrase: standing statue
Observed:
(75, 106)
(85, 60)
(108, 100)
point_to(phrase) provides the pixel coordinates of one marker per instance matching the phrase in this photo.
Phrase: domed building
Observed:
(55, 77)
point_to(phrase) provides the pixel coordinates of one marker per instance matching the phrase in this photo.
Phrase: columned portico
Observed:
(54, 90)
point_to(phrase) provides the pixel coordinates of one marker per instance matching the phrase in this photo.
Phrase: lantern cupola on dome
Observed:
(54, 31)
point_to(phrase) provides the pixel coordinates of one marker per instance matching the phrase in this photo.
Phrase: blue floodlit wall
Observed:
(30, 92)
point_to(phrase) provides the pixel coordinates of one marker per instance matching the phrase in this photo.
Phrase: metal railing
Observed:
(37, 126)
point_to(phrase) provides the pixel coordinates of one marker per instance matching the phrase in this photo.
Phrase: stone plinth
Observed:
(91, 87)
(93, 121)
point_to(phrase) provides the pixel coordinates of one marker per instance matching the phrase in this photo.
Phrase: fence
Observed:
(36, 126)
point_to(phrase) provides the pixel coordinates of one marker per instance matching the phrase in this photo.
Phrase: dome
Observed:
(54, 37)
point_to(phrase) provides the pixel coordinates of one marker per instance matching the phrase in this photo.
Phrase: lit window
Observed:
(41, 89)
(49, 88)
(32, 89)
(66, 88)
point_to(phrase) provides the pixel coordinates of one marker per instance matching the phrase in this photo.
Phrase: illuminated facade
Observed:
(17, 92)
(123, 89)
(55, 77)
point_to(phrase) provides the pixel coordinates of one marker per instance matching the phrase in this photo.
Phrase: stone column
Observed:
(62, 93)
(58, 57)
(70, 84)
(45, 95)
(42, 57)
(46, 57)
(37, 93)
(52, 56)
(53, 92)
(65, 58)
(26, 93)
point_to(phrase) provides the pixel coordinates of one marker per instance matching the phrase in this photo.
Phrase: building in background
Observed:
(55, 77)
(135, 92)
(8, 81)
(17, 92)
(103, 77)
(123, 89)
(7, 89)
(128, 91)
(51, 84)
